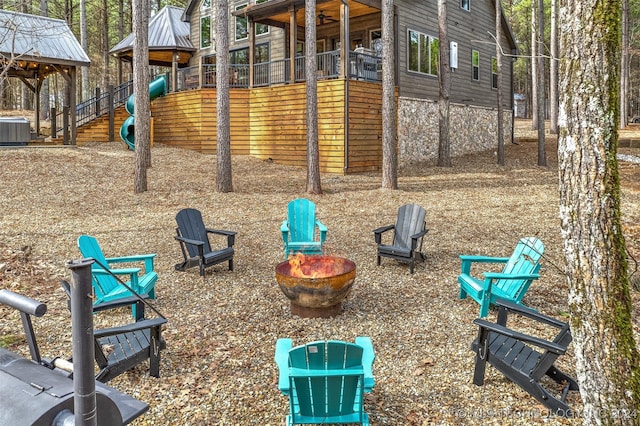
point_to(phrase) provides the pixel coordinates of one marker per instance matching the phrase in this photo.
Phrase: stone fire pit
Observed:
(316, 285)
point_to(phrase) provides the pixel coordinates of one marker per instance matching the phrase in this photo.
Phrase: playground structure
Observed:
(158, 87)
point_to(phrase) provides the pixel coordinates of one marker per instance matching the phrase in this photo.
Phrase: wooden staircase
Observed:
(98, 129)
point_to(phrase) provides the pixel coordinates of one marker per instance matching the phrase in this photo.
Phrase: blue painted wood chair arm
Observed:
(468, 260)
(368, 356)
(323, 231)
(282, 361)
(492, 276)
(121, 271)
(146, 258)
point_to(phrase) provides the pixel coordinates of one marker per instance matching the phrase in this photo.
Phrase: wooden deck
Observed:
(270, 122)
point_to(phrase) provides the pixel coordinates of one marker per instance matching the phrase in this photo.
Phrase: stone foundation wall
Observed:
(473, 129)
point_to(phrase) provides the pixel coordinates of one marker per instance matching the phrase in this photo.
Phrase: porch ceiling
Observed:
(276, 12)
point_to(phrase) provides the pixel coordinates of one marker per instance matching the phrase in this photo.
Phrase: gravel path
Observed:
(218, 368)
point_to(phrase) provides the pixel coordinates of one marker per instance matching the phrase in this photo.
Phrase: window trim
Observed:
(431, 39)
(235, 21)
(210, 45)
(267, 27)
(473, 67)
(494, 75)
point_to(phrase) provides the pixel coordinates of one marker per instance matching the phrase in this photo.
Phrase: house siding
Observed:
(470, 29)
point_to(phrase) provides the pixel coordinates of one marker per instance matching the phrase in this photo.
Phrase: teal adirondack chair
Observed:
(298, 230)
(106, 288)
(326, 381)
(511, 284)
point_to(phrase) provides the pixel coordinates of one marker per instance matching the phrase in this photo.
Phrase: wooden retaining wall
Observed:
(270, 123)
(188, 120)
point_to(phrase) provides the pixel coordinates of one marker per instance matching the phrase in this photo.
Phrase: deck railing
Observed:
(362, 66)
(96, 106)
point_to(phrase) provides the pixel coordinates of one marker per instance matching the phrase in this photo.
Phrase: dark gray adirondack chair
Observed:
(118, 349)
(408, 231)
(522, 358)
(195, 245)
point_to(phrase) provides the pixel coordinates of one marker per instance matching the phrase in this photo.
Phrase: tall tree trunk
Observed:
(553, 70)
(313, 155)
(534, 64)
(499, 88)
(45, 105)
(606, 354)
(444, 144)
(105, 45)
(624, 66)
(84, 85)
(389, 129)
(142, 115)
(542, 155)
(224, 181)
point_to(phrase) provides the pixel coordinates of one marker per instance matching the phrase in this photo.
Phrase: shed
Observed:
(34, 47)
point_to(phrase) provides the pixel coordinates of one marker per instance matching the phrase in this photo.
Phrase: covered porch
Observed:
(348, 45)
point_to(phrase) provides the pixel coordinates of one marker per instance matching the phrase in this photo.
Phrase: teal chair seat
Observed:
(326, 380)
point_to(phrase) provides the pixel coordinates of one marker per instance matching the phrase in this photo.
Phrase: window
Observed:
(261, 53)
(494, 72)
(375, 41)
(241, 25)
(423, 53)
(205, 32)
(206, 4)
(465, 4)
(239, 57)
(475, 65)
(261, 28)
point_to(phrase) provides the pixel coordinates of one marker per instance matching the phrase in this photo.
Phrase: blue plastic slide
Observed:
(157, 87)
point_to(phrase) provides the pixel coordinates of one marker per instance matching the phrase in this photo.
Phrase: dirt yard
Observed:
(218, 368)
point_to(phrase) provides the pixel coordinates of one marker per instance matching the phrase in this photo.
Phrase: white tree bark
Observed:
(224, 182)
(142, 115)
(389, 126)
(444, 143)
(596, 268)
(313, 155)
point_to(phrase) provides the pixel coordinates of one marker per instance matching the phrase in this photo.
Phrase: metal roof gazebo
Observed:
(34, 47)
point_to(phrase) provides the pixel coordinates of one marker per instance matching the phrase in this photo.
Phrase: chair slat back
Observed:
(326, 380)
(302, 218)
(191, 226)
(410, 221)
(102, 284)
(525, 260)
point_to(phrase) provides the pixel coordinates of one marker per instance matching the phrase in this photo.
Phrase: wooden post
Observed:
(97, 108)
(65, 125)
(72, 103)
(293, 40)
(54, 124)
(112, 114)
(174, 72)
(252, 48)
(344, 40)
